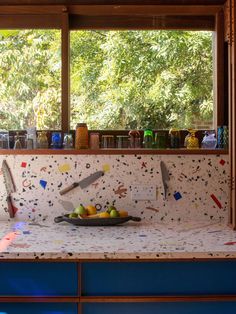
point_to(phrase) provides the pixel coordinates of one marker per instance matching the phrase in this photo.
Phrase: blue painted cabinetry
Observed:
(91, 287)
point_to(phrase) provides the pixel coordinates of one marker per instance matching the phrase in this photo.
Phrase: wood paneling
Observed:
(146, 22)
(143, 10)
(157, 2)
(15, 21)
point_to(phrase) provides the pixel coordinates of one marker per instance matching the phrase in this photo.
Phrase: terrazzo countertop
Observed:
(144, 240)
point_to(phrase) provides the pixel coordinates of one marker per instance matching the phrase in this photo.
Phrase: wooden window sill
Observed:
(114, 151)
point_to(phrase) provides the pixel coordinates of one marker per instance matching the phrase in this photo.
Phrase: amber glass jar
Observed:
(81, 136)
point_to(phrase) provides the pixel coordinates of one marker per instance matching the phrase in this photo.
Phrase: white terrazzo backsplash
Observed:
(198, 187)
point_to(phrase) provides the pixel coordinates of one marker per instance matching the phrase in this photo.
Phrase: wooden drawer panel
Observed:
(38, 279)
(38, 308)
(160, 308)
(160, 278)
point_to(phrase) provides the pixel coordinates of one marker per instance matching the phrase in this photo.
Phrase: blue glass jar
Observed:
(56, 140)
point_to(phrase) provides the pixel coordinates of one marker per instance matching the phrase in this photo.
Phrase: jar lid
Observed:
(108, 136)
(81, 125)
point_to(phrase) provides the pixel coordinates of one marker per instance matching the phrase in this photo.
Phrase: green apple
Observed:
(114, 213)
(80, 210)
(110, 208)
(73, 215)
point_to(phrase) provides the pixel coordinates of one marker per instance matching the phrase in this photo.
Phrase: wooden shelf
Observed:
(142, 151)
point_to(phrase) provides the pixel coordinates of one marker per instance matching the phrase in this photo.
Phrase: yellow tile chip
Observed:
(106, 168)
(64, 168)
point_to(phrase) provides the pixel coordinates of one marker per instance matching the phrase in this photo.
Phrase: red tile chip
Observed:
(23, 164)
(222, 162)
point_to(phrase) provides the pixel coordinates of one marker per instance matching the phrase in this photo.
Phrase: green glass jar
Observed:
(148, 138)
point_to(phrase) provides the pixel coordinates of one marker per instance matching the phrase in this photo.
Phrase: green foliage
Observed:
(30, 68)
(138, 79)
(119, 79)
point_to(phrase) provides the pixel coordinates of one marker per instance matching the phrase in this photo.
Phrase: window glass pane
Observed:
(138, 79)
(30, 75)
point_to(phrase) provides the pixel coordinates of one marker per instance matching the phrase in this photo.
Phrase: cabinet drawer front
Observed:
(38, 308)
(160, 278)
(160, 308)
(38, 279)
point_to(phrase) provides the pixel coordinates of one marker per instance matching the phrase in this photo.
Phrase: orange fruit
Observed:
(91, 210)
(123, 213)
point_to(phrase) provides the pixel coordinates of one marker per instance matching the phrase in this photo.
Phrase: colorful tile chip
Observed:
(222, 162)
(177, 196)
(106, 167)
(24, 164)
(64, 168)
(43, 184)
(215, 199)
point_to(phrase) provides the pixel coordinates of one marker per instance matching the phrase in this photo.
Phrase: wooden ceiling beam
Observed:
(141, 10)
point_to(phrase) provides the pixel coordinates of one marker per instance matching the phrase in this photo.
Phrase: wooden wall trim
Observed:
(32, 9)
(65, 74)
(115, 151)
(185, 22)
(153, 2)
(143, 10)
(147, 299)
(219, 70)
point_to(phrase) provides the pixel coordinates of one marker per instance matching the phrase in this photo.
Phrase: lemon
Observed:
(91, 210)
(104, 215)
(114, 213)
(123, 213)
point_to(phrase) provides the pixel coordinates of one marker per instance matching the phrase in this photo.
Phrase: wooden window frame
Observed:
(135, 16)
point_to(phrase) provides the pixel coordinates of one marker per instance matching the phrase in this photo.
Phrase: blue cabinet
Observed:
(57, 282)
(38, 279)
(160, 308)
(38, 308)
(158, 278)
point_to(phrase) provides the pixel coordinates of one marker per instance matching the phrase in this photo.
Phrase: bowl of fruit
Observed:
(88, 216)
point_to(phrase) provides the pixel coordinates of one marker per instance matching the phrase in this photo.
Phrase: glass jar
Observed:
(122, 141)
(81, 136)
(42, 140)
(107, 141)
(148, 139)
(56, 140)
(160, 140)
(192, 141)
(4, 139)
(134, 139)
(68, 141)
(225, 137)
(174, 138)
(220, 137)
(94, 141)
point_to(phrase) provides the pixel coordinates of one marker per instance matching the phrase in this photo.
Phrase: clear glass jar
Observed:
(94, 141)
(134, 139)
(68, 141)
(81, 136)
(107, 141)
(122, 141)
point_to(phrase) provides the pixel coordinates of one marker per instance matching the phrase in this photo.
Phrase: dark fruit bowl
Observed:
(95, 221)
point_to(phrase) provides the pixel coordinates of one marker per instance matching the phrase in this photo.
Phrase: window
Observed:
(114, 67)
(138, 79)
(30, 75)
